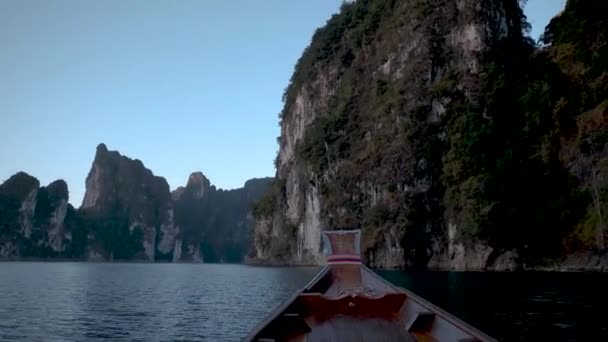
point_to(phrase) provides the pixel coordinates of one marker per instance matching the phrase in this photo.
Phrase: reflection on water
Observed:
(168, 302)
(518, 306)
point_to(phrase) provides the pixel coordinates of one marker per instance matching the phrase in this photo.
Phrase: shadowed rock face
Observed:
(123, 190)
(51, 211)
(18, 196)
(446, 136)
(127, 213)
(216, 221)
(359, 116)
(33, 217)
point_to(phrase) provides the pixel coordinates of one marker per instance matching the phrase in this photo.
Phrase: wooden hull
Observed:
(352, 303)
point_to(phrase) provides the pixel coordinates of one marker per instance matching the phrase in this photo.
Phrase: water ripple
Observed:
(138, 302)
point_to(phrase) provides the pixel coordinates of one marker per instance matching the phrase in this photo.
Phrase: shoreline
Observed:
(564, 267)
(573, 263)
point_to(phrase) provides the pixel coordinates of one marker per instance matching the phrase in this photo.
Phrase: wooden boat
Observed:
(346, 301)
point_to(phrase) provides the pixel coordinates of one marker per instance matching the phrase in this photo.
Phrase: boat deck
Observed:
(346, 301)
(343, 328)
(376, 311)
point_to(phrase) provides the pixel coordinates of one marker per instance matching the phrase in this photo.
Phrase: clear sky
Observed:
(183, 85)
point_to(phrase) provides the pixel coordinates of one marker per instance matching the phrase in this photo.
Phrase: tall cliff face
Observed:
(192, 204)
(578, 48)
(18, 196)
(52, 209)
(33, 218)
(362, 98)
(397, 121)
(216, 222)
(129, 204)
(127, 214)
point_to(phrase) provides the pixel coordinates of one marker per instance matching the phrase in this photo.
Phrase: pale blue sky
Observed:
(183, 85)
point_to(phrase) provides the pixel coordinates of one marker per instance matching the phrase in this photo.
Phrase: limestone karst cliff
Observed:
(448, 136)
(127, 213)
(34, 220)
(218, 220)
(129, 207)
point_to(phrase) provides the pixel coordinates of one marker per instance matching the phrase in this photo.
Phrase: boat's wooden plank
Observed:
(423, 337)
(346, 301)
(322, 308)
(446, 327)
(253, 335)
(343, 328)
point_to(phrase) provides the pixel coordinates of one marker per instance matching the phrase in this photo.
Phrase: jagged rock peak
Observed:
(108, 165)
(20, 176)
(20, 182)
(102, 148)
(123, 187)
(197, 179)
(58, 189)
(198, 184)
(102, 151)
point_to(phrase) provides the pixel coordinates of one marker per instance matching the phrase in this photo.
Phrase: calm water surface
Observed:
(189, 302)
(519, 306)
(139, 302)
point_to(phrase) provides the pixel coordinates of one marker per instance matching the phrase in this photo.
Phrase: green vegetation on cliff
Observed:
(508, 142)
(219, 221)
(127, 214)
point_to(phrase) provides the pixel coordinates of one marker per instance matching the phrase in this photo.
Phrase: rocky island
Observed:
(449, 136)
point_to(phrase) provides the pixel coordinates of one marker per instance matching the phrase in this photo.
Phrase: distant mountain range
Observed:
(127, 213)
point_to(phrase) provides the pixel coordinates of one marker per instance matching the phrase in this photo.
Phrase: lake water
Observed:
(206, 302)
(535, 306)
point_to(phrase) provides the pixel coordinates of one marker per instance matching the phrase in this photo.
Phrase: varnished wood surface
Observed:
(321, 308)
(343, 328)
(352, 303)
